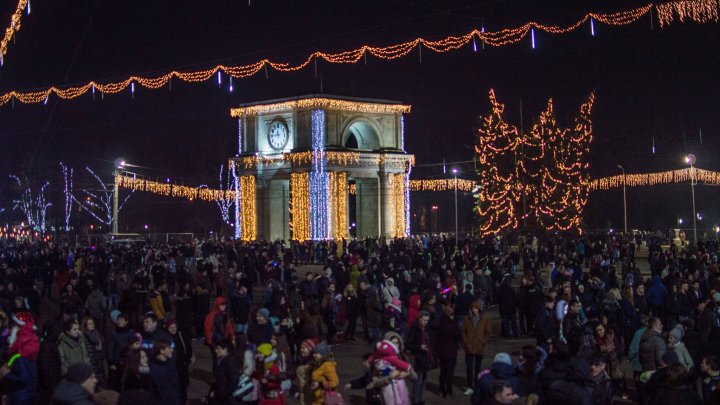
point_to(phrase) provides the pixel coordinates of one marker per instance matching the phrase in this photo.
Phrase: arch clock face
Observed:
(278, 134)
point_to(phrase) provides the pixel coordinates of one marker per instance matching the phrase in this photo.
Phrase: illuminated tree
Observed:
(99, 203)
(227, 201)
(33, 207)
(499, 189)
(563, 186)
(68, 179)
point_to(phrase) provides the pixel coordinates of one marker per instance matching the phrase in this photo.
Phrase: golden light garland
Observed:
(300, 206)
(338, 204)
(300, 158)
(700, 11)
(442, 185)
(248, 210)
(652, 179)
(319, 103)
(397, 185)
(497, 38)
(12, 28)
(173, 190)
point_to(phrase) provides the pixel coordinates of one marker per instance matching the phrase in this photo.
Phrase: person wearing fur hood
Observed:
(390, 291)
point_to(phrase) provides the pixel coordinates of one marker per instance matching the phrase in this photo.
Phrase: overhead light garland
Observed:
(300, 158)
(652, 179)
(13, 27)
(497, 38)
(319, 103)
(700, 11)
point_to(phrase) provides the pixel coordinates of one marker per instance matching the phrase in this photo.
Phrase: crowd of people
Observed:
(116, 323)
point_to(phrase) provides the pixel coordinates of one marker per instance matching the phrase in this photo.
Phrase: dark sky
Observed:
(661, 82)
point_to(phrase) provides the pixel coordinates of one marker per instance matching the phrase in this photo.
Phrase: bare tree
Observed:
(33, 207)
(99, 203)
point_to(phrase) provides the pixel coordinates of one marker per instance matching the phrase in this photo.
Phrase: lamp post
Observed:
(119, 165)
(690, 160)
(457, 236)
(624, 197)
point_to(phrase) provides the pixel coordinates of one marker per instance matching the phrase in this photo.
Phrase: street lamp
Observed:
(457, 236)
(624, 197)
(690, 160)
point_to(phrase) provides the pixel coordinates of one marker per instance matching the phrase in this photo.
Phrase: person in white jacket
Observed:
(390, 292)
(674, 342)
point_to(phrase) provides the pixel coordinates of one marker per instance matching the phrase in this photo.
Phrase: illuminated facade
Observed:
(306, 153)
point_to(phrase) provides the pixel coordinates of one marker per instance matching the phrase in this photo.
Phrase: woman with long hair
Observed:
(95, 346)
(351, 303)
(137, 373)
(281, 349)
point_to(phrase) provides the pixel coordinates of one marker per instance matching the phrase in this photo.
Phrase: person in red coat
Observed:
(217, 323)
(413, 307)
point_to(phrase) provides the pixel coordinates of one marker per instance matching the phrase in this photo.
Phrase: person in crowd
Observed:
(675, 343)
(352, 304)
(78, 386)
(96, 350)
(502, 393)
(269, 375)
(117, 343)
(576, 387)
(72, 346)
(183, 356)
(501, 369)
(652, 346)
(164, 373)
(708, 385)
(218, 324)
(447, 342)
(226, 372)
(152, 332)
(20, 372)
(49, 363)
(420, 345)
(324, 378)
(261, 330)
(136, 373)
(476, 334)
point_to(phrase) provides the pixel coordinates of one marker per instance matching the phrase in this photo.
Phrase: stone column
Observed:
(387, 206)
(367, 198)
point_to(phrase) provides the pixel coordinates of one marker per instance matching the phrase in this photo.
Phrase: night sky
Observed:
(649, 82)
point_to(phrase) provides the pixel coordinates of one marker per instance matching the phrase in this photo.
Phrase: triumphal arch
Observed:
(321, 167)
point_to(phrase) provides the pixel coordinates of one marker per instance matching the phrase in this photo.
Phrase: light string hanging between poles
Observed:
(707, 12)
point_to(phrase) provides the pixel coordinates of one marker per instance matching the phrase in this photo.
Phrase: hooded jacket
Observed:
(487, 378)
(390, 291)
(218, 323)
(575, 389)
(657, 292)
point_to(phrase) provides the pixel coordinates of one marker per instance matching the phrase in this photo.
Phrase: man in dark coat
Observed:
(507, 303)
(164, 373)
(576, 388)
(183, 356)
(49, 363)
(419, 344)
(226, 372)
(545, 325)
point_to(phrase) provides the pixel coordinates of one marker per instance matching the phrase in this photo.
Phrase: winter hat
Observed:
(170, 323)
(309, 344)
(264, 312)
(265, 349)
(676, 333)
(134, 338)
(323, 349)
(114, 315)
(503, 358)
(79, 373)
